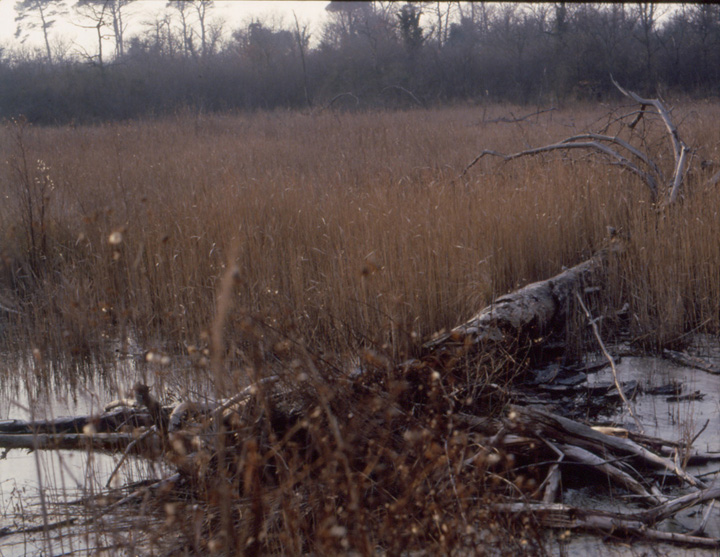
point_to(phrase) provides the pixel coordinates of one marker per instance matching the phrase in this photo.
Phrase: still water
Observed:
(41, 491)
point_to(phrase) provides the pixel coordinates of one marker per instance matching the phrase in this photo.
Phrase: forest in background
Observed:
(366, 55)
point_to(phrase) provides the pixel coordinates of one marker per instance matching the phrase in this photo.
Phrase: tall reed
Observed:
(352, 229)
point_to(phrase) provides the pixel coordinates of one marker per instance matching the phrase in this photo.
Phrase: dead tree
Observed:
(621, 152)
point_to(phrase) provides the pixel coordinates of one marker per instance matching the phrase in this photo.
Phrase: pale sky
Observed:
(234, 12)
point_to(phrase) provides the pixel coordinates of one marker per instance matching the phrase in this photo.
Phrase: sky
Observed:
(234, 12)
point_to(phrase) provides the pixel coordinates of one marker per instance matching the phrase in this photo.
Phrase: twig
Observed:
(130, 447)
(610, 359)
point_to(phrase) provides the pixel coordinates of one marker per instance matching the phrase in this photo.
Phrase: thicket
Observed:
(367, 54)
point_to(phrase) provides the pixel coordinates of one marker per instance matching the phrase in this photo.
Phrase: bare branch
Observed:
(664, 114)
(679, 171)
(340, 96)
(569, 144)
(408, 92)
(514, 120)
(618, 386)
(616, 148)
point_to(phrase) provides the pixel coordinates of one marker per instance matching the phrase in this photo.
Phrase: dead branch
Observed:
(680, 149)
(677, 143)
(619, 150)
(685, 359)
(593, 324)
(220, 410)
(674, 506)
(338, 97)
(108, 442)
(105, 422)
(514, 120)
(571, 432)
(568, 144)
(551, 484)
(623, 479)
(406, 91)
(574, 518)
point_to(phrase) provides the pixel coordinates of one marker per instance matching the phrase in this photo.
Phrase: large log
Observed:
(535, 308)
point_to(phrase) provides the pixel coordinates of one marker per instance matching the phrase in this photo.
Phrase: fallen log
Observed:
(105, 422)
(108, 442)
(535, 307)
(685, 359)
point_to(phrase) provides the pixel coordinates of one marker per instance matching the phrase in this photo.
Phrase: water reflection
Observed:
(43, 489)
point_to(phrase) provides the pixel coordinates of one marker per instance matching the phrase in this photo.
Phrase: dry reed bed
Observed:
(348, 229)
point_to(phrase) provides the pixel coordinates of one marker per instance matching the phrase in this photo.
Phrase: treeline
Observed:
(367, 54)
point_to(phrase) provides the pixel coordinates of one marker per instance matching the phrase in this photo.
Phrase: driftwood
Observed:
(557, 427)
(104, 422)
(636, 525)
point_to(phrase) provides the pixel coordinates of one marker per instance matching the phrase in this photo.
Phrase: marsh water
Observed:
(39, 489)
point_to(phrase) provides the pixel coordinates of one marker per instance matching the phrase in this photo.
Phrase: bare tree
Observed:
(442, 12)
(302, 36)
(97, 12)
(110, 14)
(209, 33)
(183, 9)
(201, 8)
(38, 14)
(647, 14)
(119, 23)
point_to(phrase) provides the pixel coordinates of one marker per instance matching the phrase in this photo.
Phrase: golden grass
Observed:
(351, 229)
